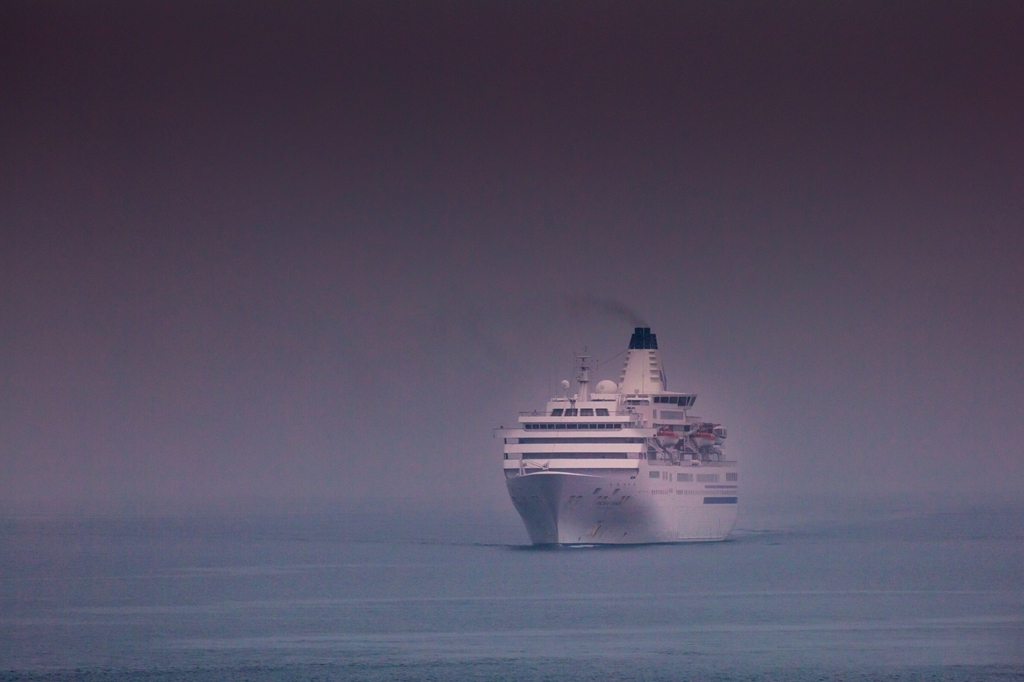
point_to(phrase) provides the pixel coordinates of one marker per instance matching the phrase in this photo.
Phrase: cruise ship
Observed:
(624, 463)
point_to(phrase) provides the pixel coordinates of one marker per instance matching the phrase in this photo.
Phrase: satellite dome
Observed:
(607, 386)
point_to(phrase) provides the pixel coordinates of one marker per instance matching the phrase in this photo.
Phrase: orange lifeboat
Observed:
(667, 437)
(702, 439)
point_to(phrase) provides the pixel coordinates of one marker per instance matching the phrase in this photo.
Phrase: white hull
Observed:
(622, 506)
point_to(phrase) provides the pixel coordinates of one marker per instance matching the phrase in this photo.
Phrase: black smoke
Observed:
(586, 304)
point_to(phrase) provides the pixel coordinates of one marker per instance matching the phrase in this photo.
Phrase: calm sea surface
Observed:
(908, 596)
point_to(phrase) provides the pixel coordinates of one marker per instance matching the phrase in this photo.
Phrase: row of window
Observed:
(582, 412)
(529, 441)
(570, 425)
(544, 456)
(681, 400)
(688, 478)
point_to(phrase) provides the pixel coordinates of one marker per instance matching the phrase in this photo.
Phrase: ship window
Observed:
(602, 412)
(655, 474)
(587, 412)
(571, 426)
(570, 411)
(556, 412)
(732, 477)
(707, 478)
(684, 478)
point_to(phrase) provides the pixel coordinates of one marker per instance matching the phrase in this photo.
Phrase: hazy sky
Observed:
(292, 252)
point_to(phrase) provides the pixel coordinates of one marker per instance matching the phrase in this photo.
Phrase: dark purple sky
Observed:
(297, 252)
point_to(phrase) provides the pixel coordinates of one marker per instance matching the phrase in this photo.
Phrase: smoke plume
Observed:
(584, 304)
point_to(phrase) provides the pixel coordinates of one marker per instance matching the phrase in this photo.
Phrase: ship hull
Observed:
(625, 506)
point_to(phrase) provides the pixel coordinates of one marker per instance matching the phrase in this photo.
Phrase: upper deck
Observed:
(636, 418)
(612, 411)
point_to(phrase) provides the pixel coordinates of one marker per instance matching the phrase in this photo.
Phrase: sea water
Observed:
(903, 595)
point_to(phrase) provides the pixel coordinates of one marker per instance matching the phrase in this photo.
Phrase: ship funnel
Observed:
(643, 338)
(642, 371)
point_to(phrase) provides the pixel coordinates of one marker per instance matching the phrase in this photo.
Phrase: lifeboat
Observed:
(703, 439)
(667, 437)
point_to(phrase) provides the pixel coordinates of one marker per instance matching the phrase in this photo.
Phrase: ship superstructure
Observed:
(625, 463)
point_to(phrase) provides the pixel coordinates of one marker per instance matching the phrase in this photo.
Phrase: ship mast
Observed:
(583, 375)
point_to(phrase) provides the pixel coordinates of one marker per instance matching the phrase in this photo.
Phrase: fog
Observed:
(285, 255)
